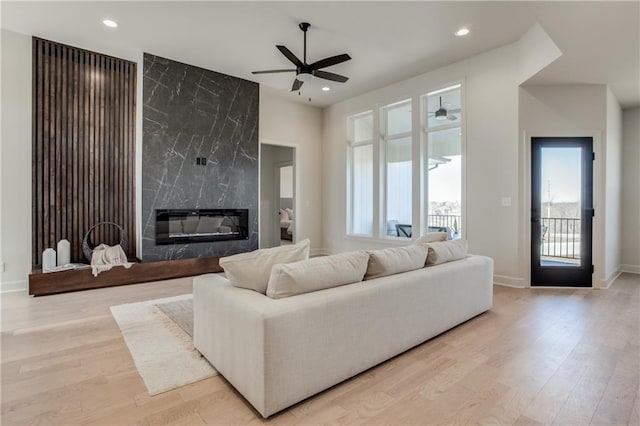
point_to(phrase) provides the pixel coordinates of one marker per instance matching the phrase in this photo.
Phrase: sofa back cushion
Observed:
(319, 273)
(432, 237)
(395, 260)
(251, 270)
(446, 251)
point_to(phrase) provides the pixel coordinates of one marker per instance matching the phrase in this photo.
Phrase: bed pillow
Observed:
(251, 270)
(284, 215)
(319, 273)
(290, 213)
(395, 260)
(432, 237)
(446, 251)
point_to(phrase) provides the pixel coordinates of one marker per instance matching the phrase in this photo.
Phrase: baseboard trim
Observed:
(12, 286)
(507, 281)
(630, 269)
(606, 282)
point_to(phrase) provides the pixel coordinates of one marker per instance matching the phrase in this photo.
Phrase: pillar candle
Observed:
(48, 259)
(64, 252)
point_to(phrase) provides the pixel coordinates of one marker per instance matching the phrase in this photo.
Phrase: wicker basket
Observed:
(88, 250)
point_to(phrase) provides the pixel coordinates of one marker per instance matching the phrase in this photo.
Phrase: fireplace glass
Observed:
(182, 226)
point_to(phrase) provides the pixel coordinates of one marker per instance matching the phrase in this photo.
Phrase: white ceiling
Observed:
(389, 41)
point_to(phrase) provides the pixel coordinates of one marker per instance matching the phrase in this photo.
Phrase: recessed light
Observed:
(326, 89)
(109, 23)
(462, 32)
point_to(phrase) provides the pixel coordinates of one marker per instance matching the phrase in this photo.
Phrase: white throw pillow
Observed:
(284, 215)
(432, 237)
(395, 260)
(290, 213)
(319, 273)
(446, 251)
(251, 270)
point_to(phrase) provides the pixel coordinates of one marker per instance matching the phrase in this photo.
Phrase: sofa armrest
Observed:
(228, 329)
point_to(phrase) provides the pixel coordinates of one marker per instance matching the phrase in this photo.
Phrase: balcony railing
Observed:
(450, 221)
(560, 237)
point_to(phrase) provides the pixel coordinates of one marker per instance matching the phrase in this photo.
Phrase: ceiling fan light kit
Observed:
(305, 72)
(443, 113)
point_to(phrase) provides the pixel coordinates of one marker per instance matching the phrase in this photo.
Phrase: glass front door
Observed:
(561, 211)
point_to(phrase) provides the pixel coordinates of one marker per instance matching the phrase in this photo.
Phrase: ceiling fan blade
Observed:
(331, 76)
(452, 117)
(297, 84)
(290, 56)
(327, 62)
(271, 71)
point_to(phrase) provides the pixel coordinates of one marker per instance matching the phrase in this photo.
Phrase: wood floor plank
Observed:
(540, 356)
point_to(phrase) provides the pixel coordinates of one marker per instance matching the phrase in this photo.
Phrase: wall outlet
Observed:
(505, 201)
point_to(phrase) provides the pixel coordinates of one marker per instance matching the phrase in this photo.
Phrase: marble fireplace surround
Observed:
(199, 151)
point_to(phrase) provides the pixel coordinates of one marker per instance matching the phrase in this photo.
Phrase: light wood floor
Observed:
(568, 357)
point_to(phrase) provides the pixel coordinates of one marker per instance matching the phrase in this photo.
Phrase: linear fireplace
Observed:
(181, 226)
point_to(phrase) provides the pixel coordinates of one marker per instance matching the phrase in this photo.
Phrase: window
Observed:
(444, 160)
(361, 174)
(398, 145)
(386, 188)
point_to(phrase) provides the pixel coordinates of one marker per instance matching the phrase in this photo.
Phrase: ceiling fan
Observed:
(443, 113)
(304, 71)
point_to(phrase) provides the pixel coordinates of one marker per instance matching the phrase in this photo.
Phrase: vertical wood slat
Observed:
(83, 147)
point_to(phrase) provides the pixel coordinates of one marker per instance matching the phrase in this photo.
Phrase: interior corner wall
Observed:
(288, 123)
(630, 252)
(15, 158)
(491, 110)
(613, 190)
(569, 110)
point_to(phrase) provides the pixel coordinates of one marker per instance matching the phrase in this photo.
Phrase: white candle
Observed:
(48, 260)
(64, 252)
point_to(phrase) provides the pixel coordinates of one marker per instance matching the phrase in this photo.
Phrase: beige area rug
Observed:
(161, 349)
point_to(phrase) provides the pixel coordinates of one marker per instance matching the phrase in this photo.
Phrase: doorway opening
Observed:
(561, 211)
(278, 215)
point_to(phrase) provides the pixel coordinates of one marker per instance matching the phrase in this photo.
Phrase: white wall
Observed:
(567, 110)
(613, 190)
(491, 92)
(15, 154)
(283, 122)
(631, 190)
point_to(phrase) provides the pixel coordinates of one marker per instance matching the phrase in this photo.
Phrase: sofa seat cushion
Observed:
(319, 273)
(251, 270)
(395, 260)
(446, 251)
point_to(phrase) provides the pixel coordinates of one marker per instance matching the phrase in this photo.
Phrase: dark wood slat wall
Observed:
(84, 107)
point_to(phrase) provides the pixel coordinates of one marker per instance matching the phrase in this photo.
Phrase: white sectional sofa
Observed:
(277, 352)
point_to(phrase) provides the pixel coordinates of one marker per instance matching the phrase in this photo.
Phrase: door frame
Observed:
(597, 279)
(296, 177)
(582, 274)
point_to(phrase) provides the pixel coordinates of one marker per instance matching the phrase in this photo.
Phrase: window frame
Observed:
(419, 138)
(425, 131)
(351, 144)
(385, 138)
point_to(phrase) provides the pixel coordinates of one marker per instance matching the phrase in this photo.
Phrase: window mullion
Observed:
(377, 174)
